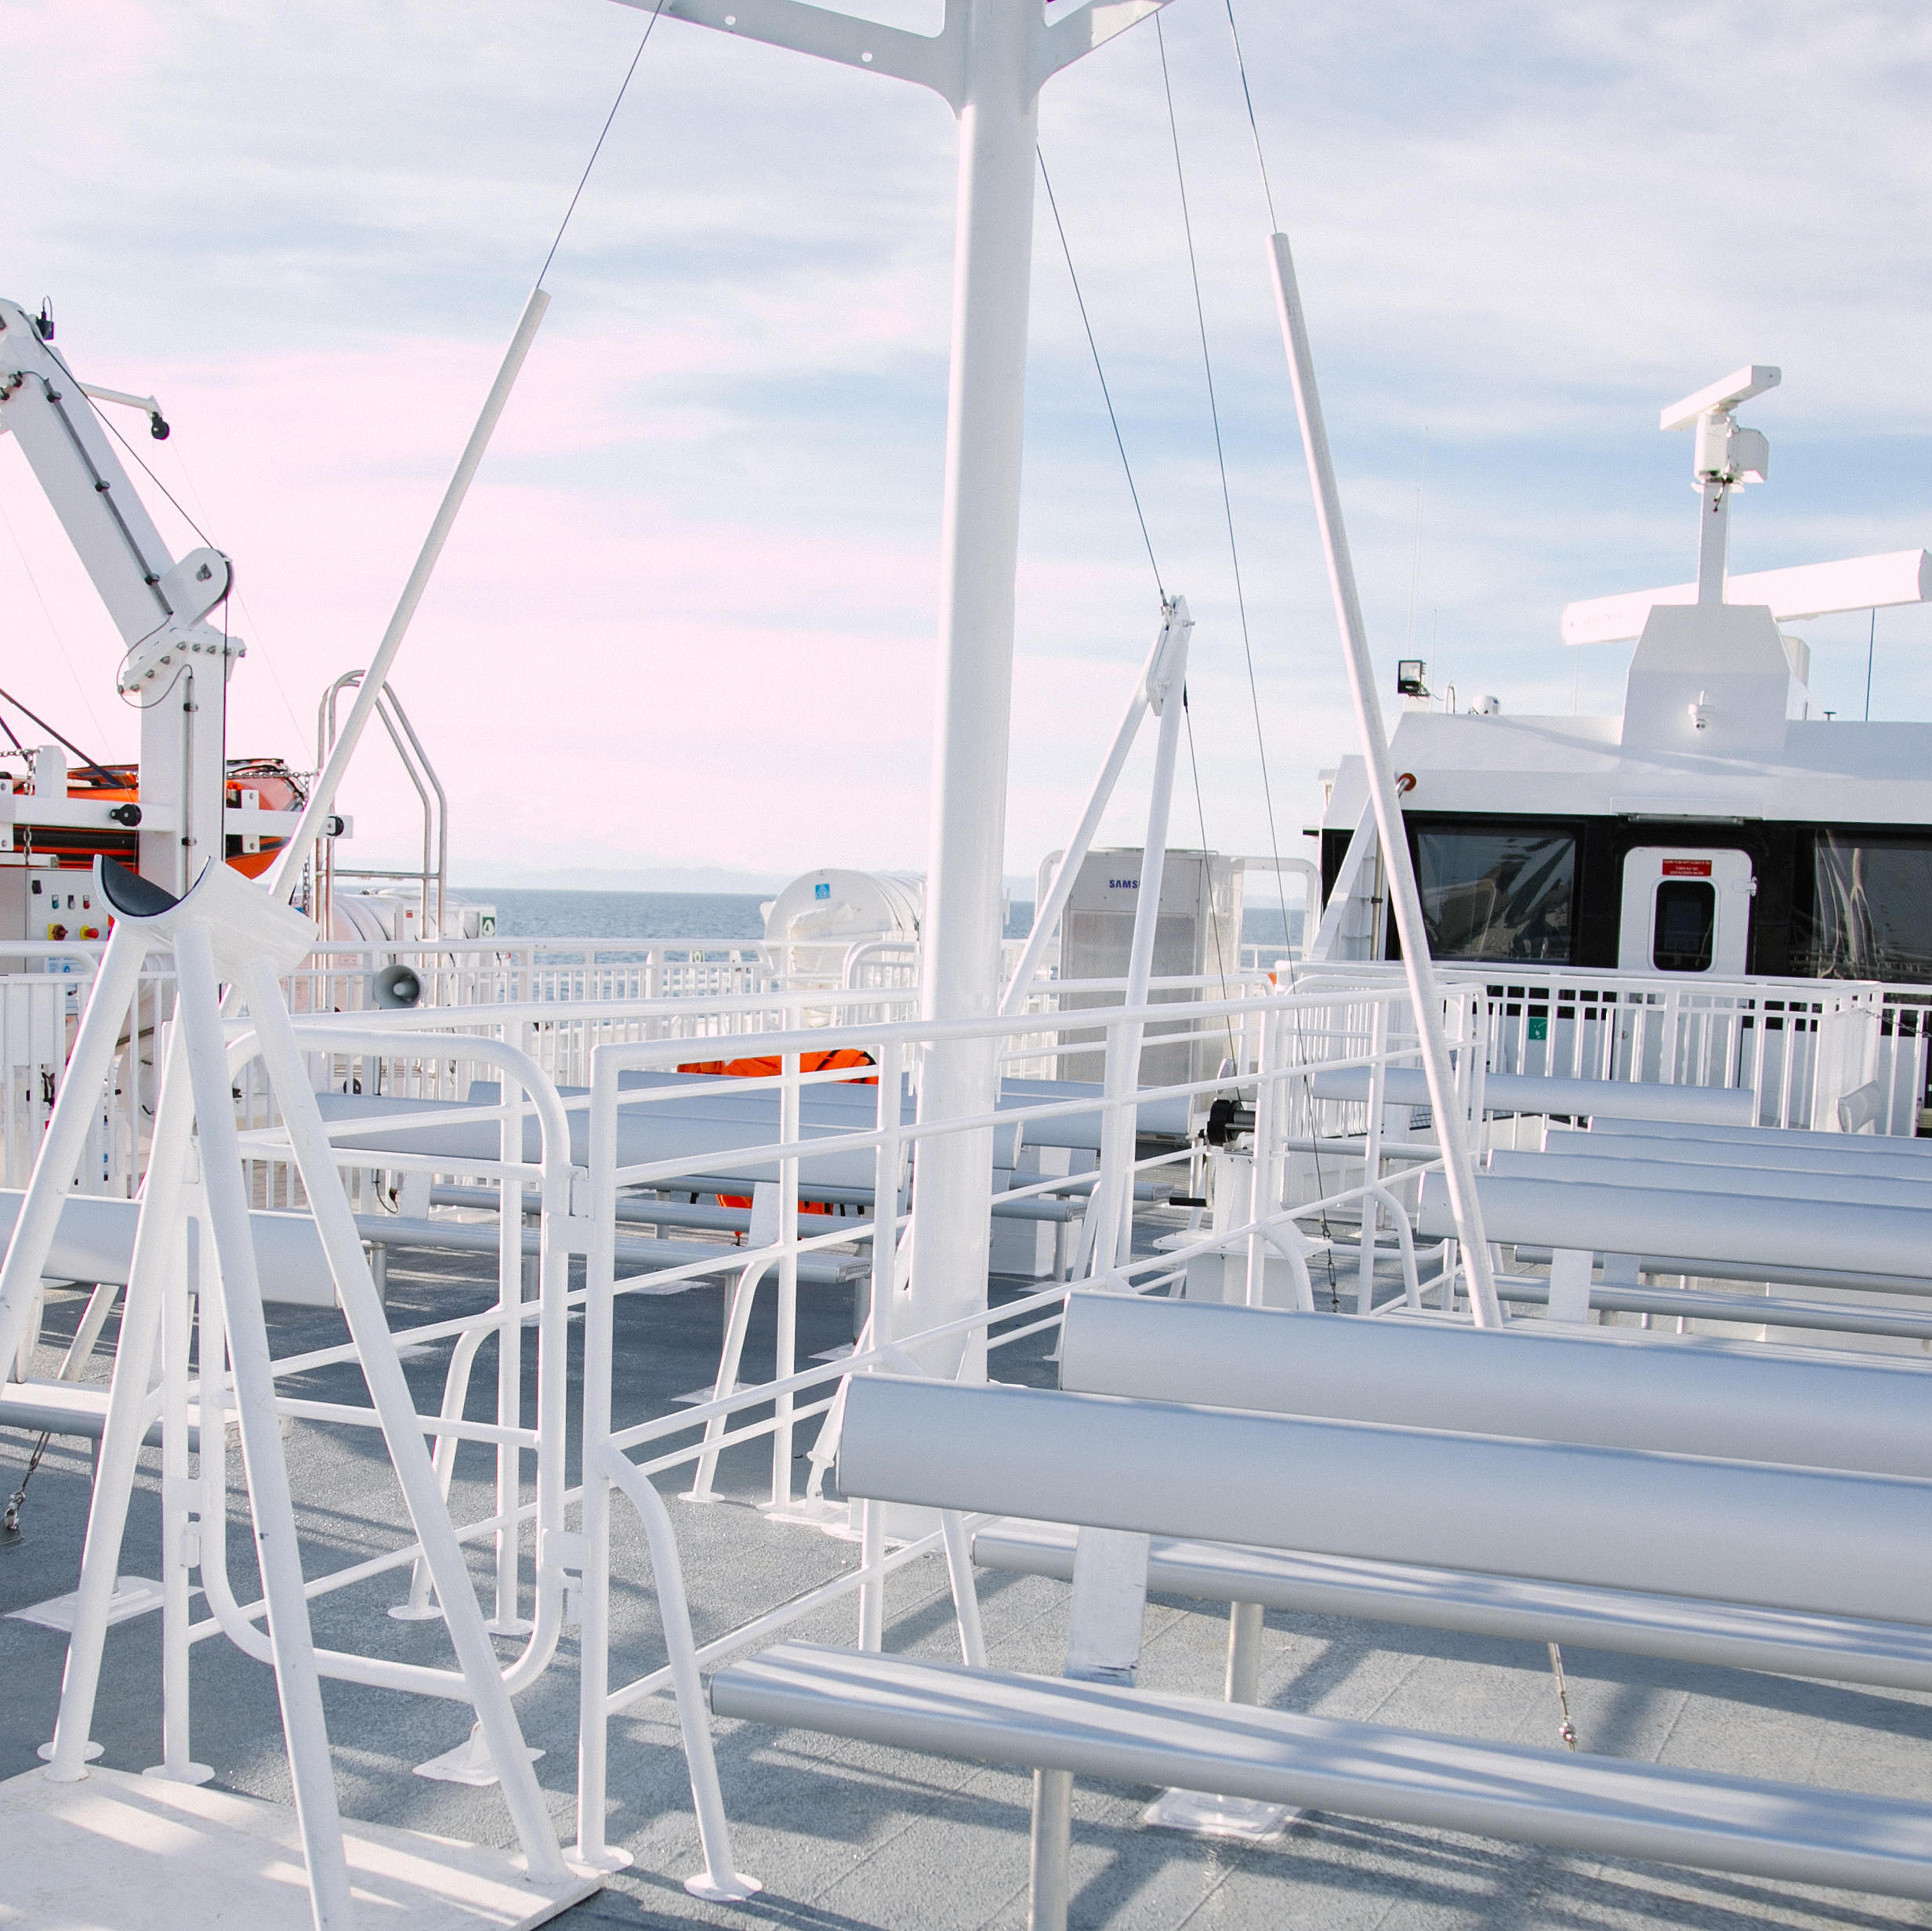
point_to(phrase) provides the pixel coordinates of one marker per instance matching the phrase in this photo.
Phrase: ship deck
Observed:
(843, 1835)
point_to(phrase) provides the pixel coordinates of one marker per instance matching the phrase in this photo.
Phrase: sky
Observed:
(688, 619)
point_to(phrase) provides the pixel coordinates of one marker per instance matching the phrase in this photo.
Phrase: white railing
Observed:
(1802, 1045)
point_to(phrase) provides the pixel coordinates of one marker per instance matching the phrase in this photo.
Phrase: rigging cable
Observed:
(1227, 506)
(1227, 501)
(1093, 349)
(1254, 127)
(597, 146)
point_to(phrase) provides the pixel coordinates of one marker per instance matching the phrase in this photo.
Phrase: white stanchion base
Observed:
(429, 1612)
(834, 1517)
(611, 1858)
(134, 1596)
(732, 1893)
(469, 1762)
(692, 1397)
(45, 1751)
(113, 1850)
(194, 1773)
(1200, 1815)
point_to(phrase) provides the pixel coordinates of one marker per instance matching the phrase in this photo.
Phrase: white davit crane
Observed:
(176, 665)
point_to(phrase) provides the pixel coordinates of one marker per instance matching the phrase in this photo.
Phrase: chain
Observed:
(10, 1517)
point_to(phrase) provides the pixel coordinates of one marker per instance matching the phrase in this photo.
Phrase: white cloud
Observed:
(688, 616)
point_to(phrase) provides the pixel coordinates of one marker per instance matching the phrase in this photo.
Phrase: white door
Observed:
(1686, 910)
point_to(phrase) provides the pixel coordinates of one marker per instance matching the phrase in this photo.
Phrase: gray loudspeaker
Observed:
(395, 987)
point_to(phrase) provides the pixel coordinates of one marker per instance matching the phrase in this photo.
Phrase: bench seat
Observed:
(1599, 1805)
(1841, 1649)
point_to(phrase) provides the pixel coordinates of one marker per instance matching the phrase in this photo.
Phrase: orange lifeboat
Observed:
(75, 848)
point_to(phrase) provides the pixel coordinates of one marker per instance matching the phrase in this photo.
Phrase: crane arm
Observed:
(157, 604)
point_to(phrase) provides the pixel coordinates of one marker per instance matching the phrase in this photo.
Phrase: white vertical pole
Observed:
(1713, 539)
(178, 1494)
(785, 1362)
(593, 1642)
(1458, 1173)
(981, 544)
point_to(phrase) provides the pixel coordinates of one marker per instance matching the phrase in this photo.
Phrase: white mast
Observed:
(988, 62)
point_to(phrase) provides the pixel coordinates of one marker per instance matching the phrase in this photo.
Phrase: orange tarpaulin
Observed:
(770, 1066)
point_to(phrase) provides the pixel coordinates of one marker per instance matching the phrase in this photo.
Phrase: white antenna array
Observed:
(1724, 457)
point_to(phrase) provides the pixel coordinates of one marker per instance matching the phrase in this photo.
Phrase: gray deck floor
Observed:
(846, 1835)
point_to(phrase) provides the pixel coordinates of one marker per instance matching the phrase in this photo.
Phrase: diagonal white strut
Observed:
(1458, 1171)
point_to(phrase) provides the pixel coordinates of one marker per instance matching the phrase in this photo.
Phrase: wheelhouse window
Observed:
(1497, 894)
(1870, 916)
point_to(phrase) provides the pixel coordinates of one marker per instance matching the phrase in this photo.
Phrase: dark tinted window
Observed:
(1498, 895)
(1871, 909)
(1687, 924)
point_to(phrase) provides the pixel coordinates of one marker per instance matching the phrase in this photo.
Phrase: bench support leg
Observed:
(1051, 1872)
(1198, 1813)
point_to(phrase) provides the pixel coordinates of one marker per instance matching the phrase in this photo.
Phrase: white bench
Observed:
(1824, 1542)
(1571, 1157)
(1715, 1233)
(1890, 1145)
(1536, 1093)
(1593, 1386)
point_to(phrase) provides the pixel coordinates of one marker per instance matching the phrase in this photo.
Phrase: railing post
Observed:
(1372, 1154)
(594, 1637)
(788, 1116)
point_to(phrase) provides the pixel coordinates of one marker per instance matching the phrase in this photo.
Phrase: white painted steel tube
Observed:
(1595, 1385)
(1535, 1092)
(1602, 1806)
(388, 1393)
(1403, 898)
(1786, 1235)
(1756, 1146)
(593, 1668)
(75, 1107)
(1893, 1145)
(288, 873)
(1704, 1177)
(985, 421)
(719, 1880)
(1785, 1538)
(297, 1683)
(1113, 1198)
(127, 1419)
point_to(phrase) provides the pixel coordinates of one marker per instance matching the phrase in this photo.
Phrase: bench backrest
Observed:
(1535, 1093)
(1830, 1236)
(1890, 1145)
(1818, 1540)
(1737, 1401)
(1772, 1151)
(1567, 1159)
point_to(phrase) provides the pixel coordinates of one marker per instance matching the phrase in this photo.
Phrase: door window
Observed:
(1686, 930)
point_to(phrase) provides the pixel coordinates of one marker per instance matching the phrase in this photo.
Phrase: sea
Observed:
(533, 913)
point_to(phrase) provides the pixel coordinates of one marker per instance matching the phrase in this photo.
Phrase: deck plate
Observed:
(115, 1850)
